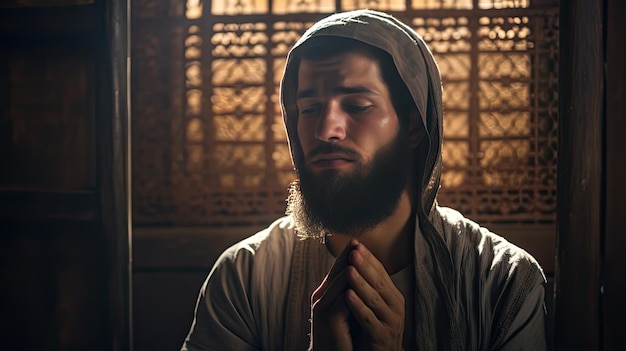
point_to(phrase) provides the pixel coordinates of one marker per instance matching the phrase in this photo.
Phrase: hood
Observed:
(415, 65)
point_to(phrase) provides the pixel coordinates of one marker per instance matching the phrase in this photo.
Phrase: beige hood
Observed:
(416, 67)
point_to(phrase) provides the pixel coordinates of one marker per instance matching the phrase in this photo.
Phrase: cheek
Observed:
(388, 126)
(386, 123)
(303, 134)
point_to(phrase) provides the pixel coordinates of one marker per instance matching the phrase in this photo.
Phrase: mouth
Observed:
(331, 160)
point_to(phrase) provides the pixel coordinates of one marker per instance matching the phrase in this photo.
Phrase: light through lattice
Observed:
(210, 148)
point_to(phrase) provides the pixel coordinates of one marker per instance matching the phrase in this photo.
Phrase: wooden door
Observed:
(64, 251)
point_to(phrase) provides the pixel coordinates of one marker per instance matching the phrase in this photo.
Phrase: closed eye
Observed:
(310, 109)
(356, 109)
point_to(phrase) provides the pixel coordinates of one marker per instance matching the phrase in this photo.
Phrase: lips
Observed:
(331, 160)
(331, 156)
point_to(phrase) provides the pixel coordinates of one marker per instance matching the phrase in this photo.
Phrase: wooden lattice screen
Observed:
(209, 147)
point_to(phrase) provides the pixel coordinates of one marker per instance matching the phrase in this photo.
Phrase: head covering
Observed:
(415, 65)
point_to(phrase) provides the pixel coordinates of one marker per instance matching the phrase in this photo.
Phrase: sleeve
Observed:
(223, 317)
(522, 312)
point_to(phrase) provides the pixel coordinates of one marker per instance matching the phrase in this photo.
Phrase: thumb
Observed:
(341, 262)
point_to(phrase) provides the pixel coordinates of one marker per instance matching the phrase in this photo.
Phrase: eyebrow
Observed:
(339, 90)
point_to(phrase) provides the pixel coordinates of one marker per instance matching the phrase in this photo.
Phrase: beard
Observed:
(332, 202)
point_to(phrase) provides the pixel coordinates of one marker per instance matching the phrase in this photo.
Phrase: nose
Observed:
(331, 126)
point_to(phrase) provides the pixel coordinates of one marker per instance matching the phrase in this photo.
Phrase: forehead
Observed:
(347, 68)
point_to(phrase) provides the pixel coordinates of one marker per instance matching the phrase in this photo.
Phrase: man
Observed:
(391, 270)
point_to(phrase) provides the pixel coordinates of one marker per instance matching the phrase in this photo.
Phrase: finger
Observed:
(341, 262)
(373, 272)
(362, 313)
(343, 259)
(333, 291)
(373, 299)
(330, 328)
(374, 329)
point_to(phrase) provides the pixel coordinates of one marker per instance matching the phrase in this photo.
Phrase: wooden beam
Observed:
(113, 155)
(614, 307)
(579, 214)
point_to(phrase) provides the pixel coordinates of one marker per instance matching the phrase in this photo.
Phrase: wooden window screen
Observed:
(209, 147)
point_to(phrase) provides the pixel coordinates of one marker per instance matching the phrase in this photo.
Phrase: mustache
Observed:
(329, 148)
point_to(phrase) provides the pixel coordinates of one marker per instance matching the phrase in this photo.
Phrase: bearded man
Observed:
(365, 258)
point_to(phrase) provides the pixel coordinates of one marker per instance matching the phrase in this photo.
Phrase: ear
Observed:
(416, 128)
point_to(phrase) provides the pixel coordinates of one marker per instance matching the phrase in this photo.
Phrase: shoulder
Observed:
(253, 275)
(491, 252)
(239, 302)
(505, 279)
(271, 246)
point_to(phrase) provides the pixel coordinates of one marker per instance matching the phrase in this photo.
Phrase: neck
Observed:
(391, 241)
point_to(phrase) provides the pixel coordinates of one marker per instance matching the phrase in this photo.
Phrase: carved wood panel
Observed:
(209, 145)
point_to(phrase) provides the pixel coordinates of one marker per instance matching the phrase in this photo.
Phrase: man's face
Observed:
(343, 101)
(354, 160)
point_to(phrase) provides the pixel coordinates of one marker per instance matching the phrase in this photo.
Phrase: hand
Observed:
(357, 305)
(330, 317)
(374, 301)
